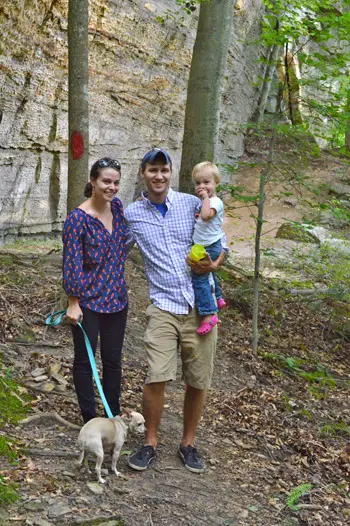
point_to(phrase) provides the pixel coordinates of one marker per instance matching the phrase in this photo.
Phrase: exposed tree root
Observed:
(48, 453)
(47, 416)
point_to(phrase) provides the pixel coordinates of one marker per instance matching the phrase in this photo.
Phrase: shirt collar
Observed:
(169, 198)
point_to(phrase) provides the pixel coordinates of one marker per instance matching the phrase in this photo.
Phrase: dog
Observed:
(103, 434)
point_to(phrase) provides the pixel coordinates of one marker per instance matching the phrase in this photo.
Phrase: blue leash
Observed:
(55, 319)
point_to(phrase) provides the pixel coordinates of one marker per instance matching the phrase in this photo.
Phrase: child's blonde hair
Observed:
(214, 170)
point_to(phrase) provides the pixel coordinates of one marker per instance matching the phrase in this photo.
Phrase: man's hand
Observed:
(206, 264)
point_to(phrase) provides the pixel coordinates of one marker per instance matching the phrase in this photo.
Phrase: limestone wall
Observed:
(138, 78)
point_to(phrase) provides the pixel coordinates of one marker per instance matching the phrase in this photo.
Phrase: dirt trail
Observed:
(260, 433)
(239, 225)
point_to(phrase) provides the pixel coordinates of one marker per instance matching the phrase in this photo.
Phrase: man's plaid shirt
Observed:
(165, 242)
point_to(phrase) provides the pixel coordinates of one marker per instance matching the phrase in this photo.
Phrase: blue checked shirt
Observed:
(165, 242)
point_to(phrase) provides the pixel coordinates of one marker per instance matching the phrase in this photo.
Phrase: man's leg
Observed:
(197, 353)
(161, 342)
(153, 404)
(193, 409)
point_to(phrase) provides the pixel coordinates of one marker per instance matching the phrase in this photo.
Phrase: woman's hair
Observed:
(105, 162)
(213, 170)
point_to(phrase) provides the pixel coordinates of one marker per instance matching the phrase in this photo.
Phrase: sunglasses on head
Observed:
(111, 163)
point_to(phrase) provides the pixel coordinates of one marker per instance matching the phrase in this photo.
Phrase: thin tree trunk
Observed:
(268, 78)
(202, 117)
(264, 176)
(78, 100)
(347, 131)
(289, 89)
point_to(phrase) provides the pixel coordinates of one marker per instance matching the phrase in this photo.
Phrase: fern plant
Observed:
(296, 493)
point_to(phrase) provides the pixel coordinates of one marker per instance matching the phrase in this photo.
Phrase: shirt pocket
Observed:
(95, 251)
(182, 229)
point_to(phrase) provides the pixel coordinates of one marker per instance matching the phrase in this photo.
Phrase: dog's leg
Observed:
(83, 459)
(115, 456)
(99, 460)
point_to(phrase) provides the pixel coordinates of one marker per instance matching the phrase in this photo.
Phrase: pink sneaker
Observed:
(221, 303)
(206, 326)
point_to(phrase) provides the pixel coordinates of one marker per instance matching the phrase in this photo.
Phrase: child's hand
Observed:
(202, 193)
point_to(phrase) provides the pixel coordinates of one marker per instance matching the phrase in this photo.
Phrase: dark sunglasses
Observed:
(111, 163)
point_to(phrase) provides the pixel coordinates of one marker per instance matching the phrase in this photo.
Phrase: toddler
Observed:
(208, 232)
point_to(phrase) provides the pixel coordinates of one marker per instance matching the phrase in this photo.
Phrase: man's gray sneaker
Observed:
(142, 458)
(191, 458)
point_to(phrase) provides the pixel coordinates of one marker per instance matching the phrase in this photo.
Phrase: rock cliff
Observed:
(138, 76)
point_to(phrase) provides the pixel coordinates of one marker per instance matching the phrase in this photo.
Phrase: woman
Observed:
(94, 237)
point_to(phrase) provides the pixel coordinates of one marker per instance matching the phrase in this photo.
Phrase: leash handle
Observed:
(55, 319)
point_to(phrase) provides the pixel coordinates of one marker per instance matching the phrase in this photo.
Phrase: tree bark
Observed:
(347, 131)
(202, 116)
(264, 177)
(78, 100)
(268, 78)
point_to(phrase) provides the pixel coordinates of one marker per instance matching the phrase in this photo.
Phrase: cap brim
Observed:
(151, 157)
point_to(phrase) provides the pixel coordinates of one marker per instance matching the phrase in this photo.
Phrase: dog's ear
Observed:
(128, 412)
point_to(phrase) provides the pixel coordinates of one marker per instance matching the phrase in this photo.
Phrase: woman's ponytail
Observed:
(88, 190)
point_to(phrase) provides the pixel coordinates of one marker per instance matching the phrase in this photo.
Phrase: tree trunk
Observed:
(268, 78)
(347, 131)
(202, 116)
(78, 101)
(264, 177)
(292, 87)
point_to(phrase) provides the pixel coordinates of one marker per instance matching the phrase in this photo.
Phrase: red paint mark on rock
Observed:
(77, 143)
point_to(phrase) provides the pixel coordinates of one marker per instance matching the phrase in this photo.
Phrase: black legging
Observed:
(111, 328)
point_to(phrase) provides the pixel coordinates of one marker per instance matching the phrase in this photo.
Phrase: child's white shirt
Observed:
(208, 232)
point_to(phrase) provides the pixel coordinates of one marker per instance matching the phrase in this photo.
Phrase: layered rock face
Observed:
(138, 78)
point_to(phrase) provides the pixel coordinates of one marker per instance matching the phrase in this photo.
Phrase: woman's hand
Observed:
(74, 312)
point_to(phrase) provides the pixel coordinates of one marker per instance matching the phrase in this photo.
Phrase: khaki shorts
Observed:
(166, 333)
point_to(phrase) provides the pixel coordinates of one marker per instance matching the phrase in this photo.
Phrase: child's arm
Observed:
(206, 212)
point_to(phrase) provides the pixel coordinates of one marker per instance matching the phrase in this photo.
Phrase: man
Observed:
(161, 223)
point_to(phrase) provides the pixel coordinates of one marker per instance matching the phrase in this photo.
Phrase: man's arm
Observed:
(130, 241)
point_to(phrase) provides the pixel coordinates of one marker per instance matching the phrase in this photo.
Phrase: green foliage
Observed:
(315, 32)
(6, 448)
(8, 492)
(336, 208)
(222, 274)
(329, 267)
(294, 496)
(320, 376)
(12, 409)
(185, 7)
(235, 192)
(334, 429)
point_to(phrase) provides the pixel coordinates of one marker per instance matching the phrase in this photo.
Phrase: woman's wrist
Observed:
(72, 301)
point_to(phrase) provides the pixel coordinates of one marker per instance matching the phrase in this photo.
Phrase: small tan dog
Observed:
(106, 434)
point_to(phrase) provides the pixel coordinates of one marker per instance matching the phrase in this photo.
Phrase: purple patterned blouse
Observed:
(94, 260)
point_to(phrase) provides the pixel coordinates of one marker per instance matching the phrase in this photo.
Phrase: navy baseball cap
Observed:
(153, 155)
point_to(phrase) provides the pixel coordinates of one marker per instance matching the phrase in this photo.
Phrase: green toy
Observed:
(197, 252)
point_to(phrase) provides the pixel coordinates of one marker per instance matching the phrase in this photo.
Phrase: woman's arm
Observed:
(130, 241)
(73, 266)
